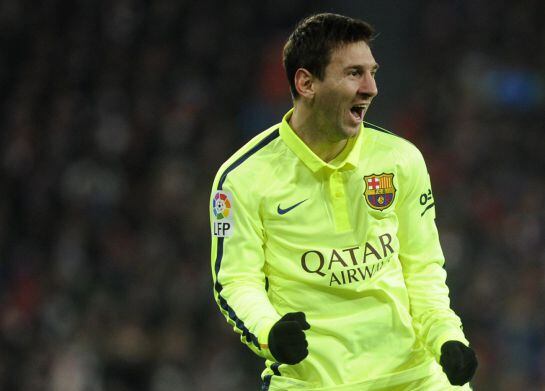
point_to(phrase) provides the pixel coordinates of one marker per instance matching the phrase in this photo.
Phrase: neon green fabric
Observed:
(352, 243)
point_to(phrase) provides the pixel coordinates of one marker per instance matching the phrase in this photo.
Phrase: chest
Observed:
(349, 206)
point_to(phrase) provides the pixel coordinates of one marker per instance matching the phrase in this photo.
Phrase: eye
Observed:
(355, 72)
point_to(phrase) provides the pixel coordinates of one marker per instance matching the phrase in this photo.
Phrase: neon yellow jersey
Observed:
(351, 243)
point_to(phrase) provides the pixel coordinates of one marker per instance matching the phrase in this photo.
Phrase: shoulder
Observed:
(246, 165)
(404, 150)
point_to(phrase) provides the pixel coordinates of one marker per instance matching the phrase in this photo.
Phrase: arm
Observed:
(237, 267)
(422, 259)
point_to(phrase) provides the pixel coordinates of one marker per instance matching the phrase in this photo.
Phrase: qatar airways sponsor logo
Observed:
(352, 264)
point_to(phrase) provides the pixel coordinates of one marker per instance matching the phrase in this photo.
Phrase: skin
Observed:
(321, 115)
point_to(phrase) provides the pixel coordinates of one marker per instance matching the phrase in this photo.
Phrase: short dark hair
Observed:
(311, 43)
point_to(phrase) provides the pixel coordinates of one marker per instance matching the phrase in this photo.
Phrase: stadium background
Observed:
(115, 116)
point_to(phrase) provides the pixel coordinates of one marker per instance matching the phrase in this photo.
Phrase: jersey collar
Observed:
(348, 159)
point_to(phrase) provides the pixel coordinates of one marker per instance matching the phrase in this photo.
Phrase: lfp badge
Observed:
(222, 207)
(379, 190)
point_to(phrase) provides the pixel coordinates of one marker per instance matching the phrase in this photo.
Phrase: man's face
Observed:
(343, 96)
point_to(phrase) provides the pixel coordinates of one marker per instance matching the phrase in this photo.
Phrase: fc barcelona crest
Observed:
(379, 190)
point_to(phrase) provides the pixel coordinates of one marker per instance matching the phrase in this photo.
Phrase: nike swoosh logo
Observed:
(284, 211)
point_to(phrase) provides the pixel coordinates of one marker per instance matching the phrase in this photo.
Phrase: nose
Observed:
(368, 86)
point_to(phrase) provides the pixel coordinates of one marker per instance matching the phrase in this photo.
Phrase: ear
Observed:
(304, 83)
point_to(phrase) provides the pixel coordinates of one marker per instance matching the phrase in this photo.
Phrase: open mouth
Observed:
(357, 112)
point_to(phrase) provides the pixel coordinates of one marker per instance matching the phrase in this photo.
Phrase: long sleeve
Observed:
(237, 263)
(422, 259)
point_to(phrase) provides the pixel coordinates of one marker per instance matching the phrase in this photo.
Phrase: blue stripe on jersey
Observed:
(266, 383)
(275, 370)
(267, 379)
(376, 127)
(241, 159)
(219, 254)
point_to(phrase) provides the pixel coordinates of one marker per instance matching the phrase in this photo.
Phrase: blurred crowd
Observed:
(115, 116)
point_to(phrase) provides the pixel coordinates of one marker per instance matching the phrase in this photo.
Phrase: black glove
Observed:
(458, 361)
(287, 341)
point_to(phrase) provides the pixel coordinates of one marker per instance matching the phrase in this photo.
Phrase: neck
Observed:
(315, 134)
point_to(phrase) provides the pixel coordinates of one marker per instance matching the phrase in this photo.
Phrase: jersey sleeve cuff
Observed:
(263, 339)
